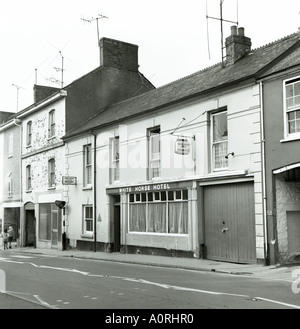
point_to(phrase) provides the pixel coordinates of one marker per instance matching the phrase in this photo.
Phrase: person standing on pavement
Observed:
(4, 235)
(10, 236)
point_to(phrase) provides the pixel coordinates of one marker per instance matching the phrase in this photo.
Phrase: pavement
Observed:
(287, 273)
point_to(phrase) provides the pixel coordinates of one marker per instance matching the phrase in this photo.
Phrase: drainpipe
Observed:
(263, 170)
(18, 122)
(95, 192)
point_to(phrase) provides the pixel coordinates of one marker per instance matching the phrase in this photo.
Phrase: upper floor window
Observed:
(115, 159)
(87, 165)
(292, 106)
(10, 145)
(28, 178)
(154, 152)
(9, 186)
(51, 173)
(219, 137)
(29, 133)
(51, 125)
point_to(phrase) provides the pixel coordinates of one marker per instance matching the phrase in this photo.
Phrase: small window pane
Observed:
(131, 197)
(185, 194)
(178, 195)
(150, 196)
(157, 196)
(170, 195)
(138, 197)
(143, 197)
(163, 196)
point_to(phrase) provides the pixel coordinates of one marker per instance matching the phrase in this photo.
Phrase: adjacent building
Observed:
(41, 151)
(10, 169)
(280, 85)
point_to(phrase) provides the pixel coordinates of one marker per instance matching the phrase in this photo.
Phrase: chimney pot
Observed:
(233, 30)
(241, 31)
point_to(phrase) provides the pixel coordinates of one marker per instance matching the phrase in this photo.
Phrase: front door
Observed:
(55, 225)
(117, 235)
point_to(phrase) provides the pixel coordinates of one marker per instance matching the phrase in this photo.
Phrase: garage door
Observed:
(230, 222)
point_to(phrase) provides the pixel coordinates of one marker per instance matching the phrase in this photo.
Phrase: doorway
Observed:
(230, 222)
(30, 229)
(116, 220)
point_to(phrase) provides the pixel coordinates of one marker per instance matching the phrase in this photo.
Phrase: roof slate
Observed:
(211, 78)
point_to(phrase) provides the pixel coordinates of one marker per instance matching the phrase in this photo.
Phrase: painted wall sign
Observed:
(69, 180)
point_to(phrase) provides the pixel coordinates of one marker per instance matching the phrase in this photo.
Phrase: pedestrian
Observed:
(4, 235)
(10, 232)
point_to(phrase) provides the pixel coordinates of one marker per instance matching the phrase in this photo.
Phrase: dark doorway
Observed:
(30, 229)
(117, 224)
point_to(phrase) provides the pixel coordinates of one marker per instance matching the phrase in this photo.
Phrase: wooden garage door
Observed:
(230, 222)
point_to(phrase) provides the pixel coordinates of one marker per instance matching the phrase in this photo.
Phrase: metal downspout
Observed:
(95, 192)
(263, 172)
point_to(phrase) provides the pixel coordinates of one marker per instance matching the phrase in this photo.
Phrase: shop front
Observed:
(155, 218)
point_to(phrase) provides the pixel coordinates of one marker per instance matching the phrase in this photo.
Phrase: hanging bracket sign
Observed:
(182, 146)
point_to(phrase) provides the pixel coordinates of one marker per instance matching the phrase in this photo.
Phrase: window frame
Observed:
(51, 124)
(87, 166)
(51, 173)
(86, 219)
(153, 156)
(29, 133)
(115, 159)
(213, 143)
(166, 198)
(28, 178)
(10, 185)
(287, 133)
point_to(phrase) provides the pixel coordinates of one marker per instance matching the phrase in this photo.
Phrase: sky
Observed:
(175, 38)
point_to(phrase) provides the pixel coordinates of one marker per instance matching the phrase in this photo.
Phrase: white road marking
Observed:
(277, 302)
(21, 256)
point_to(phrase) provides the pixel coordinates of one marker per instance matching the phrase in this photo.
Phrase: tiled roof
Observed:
(206, 80)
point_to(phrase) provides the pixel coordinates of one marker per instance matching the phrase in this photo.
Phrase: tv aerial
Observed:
(222, 20)
(92, 19)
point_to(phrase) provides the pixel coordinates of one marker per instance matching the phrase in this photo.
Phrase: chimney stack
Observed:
(237, 45)
(118, 54)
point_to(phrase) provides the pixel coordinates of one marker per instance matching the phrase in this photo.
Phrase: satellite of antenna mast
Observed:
(92, 19)
(18, 88)
(222, 20)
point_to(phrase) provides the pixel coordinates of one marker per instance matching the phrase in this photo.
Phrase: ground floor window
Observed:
(87, 219)
(159, 212)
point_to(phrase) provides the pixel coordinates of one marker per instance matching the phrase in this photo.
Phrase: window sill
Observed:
(87, 188)
(28, 191)
(52, 188)
(290, 138)
(87, 235)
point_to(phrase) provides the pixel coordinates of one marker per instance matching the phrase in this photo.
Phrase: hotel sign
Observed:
(147, 188)
(182, 146)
